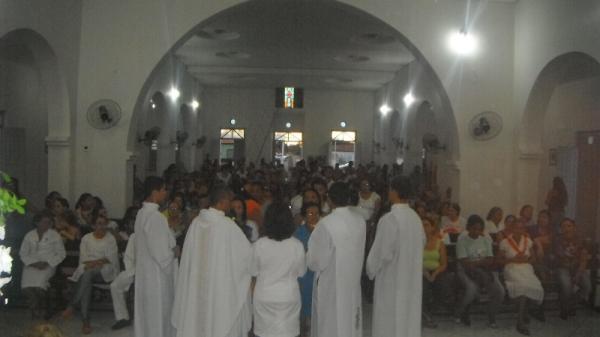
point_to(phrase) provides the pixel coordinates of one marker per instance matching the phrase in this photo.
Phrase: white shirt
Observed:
(49, 249)
(490, 227)
(296, 204)
(368, 204)
(277, 266)
(92, 248)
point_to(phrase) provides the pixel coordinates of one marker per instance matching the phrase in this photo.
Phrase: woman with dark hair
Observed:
(311, 214)
(277, 263)
(557, 200)
(493, 220)
(526, 215)
(240, 216)
(368, 200)
(83, 209)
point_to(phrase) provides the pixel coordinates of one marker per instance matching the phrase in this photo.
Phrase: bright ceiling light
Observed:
(385, 109)
(288, 125)
(173, 94)
(153, 106)
(232, 121)
(343, 124)
(409, 99)
(195, 104)
(462, 43)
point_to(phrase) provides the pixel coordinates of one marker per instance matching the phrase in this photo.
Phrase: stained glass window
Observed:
(289, 97)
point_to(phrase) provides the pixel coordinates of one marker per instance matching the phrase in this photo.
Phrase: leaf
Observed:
(22, 202)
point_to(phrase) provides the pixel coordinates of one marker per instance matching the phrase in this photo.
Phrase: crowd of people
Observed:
(232, 249)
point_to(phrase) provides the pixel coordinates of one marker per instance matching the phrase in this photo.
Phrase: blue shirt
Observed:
(306, 281)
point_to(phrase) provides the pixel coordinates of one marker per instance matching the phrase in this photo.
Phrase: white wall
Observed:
(544, 30)
(24, 100)
(254, 110)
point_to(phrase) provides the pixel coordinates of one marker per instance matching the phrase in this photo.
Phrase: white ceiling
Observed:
(310, 44)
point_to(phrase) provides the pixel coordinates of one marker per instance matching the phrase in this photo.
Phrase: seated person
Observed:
(435, 262)
(516, 252)
(505, 228)
(66, 225)
(493, 220)
(572, 258)
(41, 251)
(453, 224)
(475, 271)
(98, 262)
(543, 237)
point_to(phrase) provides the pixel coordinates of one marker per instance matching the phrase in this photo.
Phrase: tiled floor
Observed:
(13, 322)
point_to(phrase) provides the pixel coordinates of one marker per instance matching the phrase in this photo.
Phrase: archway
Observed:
(561, 109)
(37, 86)
(419, 76)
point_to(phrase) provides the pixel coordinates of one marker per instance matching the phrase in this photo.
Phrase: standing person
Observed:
(368, 200)
(311, 213)
(213, 287)
(396, 263)
(435, 262)
(155, 265)
(121, 285)
(557, 200)
(240, 216)
(336, 251)
(277, 263)
(41, 251)
(98, 262)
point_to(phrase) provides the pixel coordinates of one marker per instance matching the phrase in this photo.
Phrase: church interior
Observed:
(484, 103)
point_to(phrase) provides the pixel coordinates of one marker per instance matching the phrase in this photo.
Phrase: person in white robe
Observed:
(396, 263)
(213, 288)
(155, 265)
(121, 285)
(336, 254)
(521, 282)
(98, 263)
(41, 251)
(278, 261)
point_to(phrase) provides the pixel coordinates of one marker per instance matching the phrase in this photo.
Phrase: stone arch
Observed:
(53, 87)
(565, 68)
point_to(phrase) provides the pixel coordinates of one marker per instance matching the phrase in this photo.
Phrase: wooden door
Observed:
(588, 183)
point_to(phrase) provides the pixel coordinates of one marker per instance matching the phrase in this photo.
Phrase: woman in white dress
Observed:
(41, 251)
(278, 261)
(368, 200)
(516, 250)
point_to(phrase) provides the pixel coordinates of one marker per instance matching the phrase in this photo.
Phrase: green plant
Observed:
(9, 203)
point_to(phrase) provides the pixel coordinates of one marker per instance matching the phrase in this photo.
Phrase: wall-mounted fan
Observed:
(200, 142)
(150, 135)
(432, 144)
(485, 125)
(104, 114)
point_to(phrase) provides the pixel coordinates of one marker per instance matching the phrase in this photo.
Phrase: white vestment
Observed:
(396, 263)
(213, 287)
(336, 253)
(277, 266)
(121, 284)
(156, 272)
(49, 249)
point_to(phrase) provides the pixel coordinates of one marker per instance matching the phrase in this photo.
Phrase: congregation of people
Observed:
(239, 249)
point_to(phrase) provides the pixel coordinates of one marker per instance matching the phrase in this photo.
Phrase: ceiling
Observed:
(310, 44)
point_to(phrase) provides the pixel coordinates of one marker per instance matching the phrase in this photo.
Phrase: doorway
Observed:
(588, 183)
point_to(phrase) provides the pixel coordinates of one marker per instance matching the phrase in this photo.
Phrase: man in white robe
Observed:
(336, 254)
(155, 265)
(396, 263)
(213, 286)
(41, 251)
(121, 285)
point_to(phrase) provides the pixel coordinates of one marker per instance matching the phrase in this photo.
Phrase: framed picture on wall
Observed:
(552, 157)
